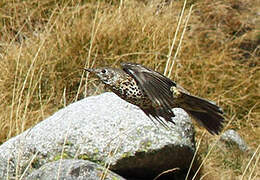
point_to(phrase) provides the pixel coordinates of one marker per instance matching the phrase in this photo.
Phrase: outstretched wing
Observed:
(165, 94)
(155, 85)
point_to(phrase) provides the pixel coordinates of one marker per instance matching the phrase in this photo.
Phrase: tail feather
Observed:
(205, 112)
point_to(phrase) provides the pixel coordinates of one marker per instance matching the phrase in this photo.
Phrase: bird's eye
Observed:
(103, 71)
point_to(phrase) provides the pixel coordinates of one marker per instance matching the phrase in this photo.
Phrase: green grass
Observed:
(45, 44)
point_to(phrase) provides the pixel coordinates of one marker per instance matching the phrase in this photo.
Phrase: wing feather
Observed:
(155, 85)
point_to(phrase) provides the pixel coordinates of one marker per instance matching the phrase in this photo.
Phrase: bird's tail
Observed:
(205, 112)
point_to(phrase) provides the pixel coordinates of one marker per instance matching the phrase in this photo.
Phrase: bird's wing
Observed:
(154, 84)
(165, 94)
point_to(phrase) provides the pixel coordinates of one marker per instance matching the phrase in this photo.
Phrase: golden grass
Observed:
(45, 44)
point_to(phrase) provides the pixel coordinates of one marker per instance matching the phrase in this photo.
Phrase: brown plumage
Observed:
(156, 95)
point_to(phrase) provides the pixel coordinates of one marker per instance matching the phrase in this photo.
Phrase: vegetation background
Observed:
(44, 46)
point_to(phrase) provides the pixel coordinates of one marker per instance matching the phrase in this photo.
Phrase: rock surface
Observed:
(232, 137)
(73, 170)
(106, 130)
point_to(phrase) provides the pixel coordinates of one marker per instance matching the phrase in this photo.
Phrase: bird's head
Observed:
(108, 76)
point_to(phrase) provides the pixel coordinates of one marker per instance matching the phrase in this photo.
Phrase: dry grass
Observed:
(45, 44)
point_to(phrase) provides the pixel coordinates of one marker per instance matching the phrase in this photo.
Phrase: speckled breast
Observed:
(128, 90)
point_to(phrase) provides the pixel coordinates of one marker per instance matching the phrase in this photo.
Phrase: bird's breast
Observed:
(128, 90)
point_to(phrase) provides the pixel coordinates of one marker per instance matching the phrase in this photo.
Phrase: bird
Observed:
(156, 95)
